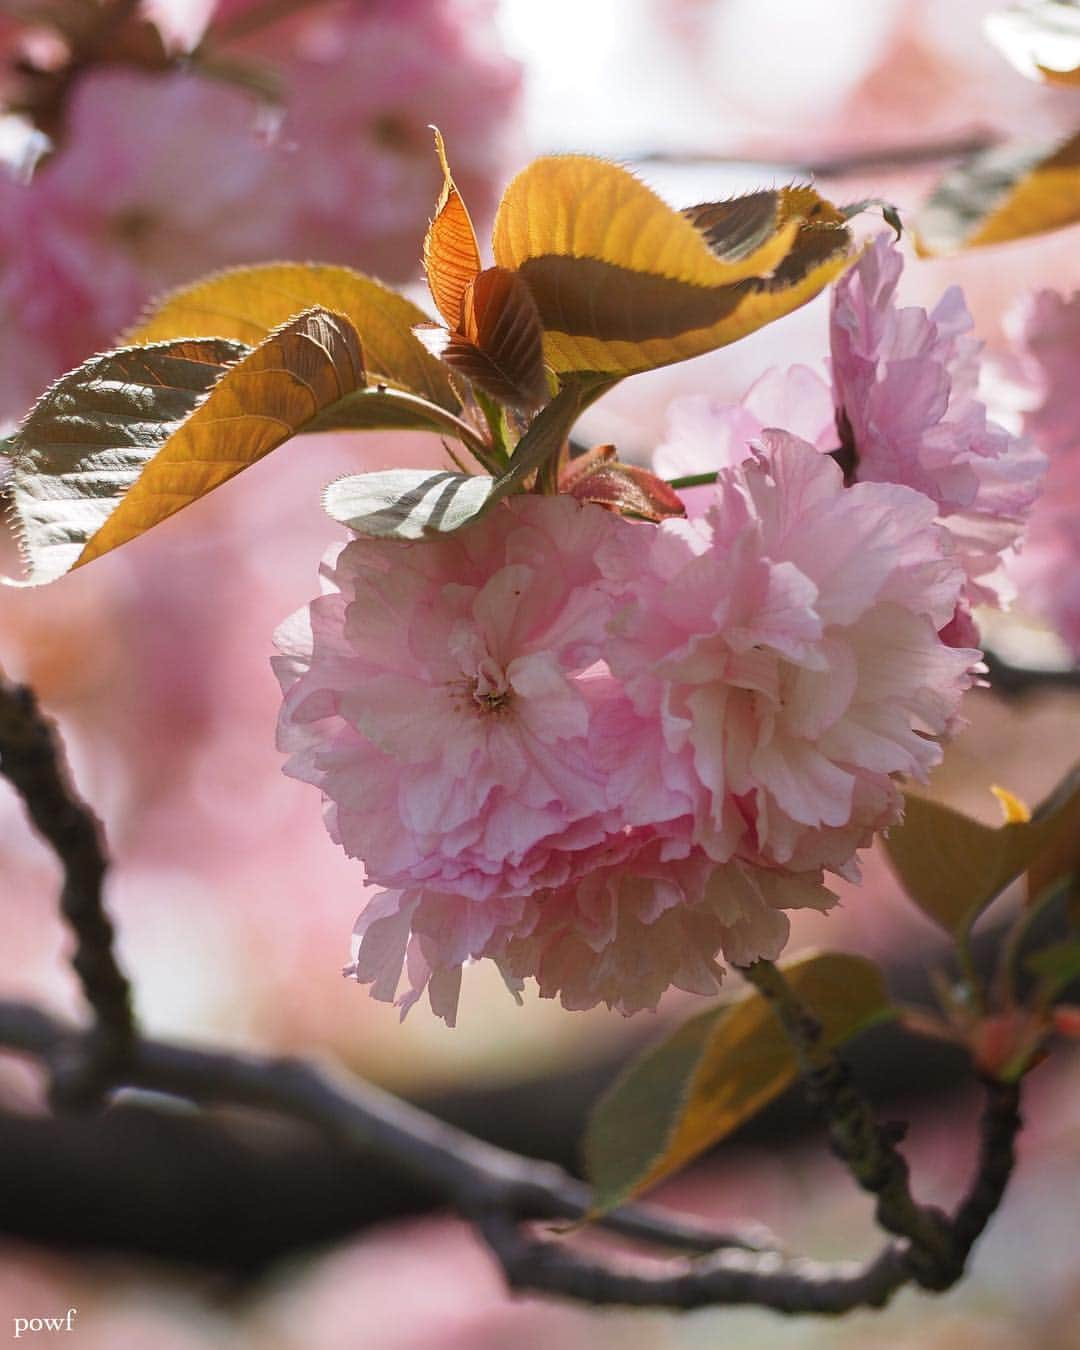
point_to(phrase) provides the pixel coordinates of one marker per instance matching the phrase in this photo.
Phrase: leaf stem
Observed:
(693, 480)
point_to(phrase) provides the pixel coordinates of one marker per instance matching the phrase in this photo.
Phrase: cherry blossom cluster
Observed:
(901, 406)
(607, 754)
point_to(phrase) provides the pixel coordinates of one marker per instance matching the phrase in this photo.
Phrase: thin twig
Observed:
(874, 159)
(938, 1246)
(32, 759)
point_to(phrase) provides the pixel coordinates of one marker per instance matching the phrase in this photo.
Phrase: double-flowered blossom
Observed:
(607, 754)
(901, 406)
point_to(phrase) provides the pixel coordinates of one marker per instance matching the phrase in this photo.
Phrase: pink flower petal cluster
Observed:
(902, 407)
(604, 753)
(1044, 331)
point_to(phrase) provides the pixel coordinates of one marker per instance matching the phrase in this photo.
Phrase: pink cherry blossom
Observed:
(902, 407)
(782, 654)
(161, 178)
(441, 696)
(607, 755)
(646, 917)
(1045, 334)
(906, 390)
(362, 84)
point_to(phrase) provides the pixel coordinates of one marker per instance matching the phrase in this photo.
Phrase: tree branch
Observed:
(938, 1247)
(497, 1190)
(466, 1171)
(32, 759)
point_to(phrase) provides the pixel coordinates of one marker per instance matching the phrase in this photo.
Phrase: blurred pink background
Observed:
(233, 907)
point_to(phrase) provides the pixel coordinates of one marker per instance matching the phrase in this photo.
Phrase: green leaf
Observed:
(89, 437)
(716, 1071)
(248, 303)
(420, 503)
(1059, 963)
(953, 866)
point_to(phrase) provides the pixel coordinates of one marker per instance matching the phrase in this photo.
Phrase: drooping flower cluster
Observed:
(902, 407)
(607, 754)
(1045, 335)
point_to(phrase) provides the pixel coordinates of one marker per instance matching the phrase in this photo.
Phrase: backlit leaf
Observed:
(716, 1071)
(1005, 193)
(421, 503)
(112, 451)
(451, 253)
(623, 282)
(953, 866)
(1040, 38)
(500, 343)
(90, 436)
(248, 303)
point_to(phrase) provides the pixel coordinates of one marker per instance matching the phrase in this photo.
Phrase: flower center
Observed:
(491, 691)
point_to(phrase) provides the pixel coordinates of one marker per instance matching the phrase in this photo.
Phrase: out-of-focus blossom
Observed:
(162, 177)
(1044, 330)
(362, 84)
(603, 753)
(902, 408)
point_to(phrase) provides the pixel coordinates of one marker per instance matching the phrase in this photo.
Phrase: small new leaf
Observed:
(953, 866)
(716, 1071)
(451, 253)
(1008, 192)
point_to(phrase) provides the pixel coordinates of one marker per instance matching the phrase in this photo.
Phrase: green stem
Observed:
(693, 480)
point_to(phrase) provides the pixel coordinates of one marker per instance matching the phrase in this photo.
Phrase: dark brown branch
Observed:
(465, 1170)
(498, 1191)
(875, 159)
(938, 1247)
(1014, 681)
(32, 759)
(726, 1279)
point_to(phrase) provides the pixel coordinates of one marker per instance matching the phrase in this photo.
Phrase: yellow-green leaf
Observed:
(115, 448)
(716, 1071)
(90, 435)
(248, 303)
(623, 282)
(1005, 193)
(1040, 38)
(953, 866)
